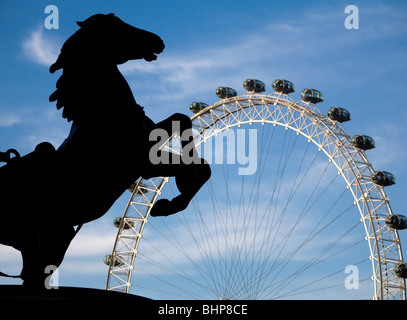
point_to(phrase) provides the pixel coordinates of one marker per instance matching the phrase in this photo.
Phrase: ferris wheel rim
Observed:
(317, 119)
(311, 113)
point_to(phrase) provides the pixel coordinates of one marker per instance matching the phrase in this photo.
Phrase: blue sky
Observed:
(208, 44)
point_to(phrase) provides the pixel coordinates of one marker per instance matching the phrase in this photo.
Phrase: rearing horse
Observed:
(106, 151)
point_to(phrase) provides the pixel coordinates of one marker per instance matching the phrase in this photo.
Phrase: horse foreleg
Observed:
(189, 170)
(189, 179)
(181, 124)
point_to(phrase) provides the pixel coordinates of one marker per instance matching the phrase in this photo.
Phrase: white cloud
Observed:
(390, 141)
(92, 242)
(310, 50)
(8, 119)
(40, 48)
(9, 255)
(86, 251)
(52, 134)
(83, 267)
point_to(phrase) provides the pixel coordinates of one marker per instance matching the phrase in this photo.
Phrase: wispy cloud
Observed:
(8, 118)
(390, 151)
(86, 251)
(96, 242)
(310, 50)
(40, 48)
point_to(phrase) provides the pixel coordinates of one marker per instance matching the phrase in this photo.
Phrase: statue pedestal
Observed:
(18, 292)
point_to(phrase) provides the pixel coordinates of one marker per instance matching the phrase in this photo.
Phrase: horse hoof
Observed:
(164, 207)
(194, 177)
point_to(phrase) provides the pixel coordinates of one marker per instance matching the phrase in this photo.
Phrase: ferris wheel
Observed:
(294, 209)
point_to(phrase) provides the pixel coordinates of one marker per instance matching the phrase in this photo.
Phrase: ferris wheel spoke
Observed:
(272, 247)
(262, 269)
(263, 254)
(230, 238)
(313, 282)
(252, 206)
(280, 283)
(301, 216)
(317, 259)
(179, 289)
(255, 258)
(241, 246)
(319, 289)
(312, 263)
(212, 250)
(206, 244)
(166, 292)
(290, 255)
(210, 255)
(208, 271)
(221, 239)
(175, 269)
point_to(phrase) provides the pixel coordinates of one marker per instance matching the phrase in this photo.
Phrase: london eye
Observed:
(292, 206)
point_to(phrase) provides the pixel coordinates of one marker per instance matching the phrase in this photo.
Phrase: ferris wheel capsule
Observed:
(225, 92)
(254, 85)
(338, 114)
(383, 178)
(141, 188)
(396, 221)
(311, 95)
(401, 270)
(117, 262)
(283, 86)
(362, 142)
(117, 222)
(195, 107)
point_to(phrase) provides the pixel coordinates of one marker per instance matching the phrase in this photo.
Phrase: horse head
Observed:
(106, 37)
(89, 60)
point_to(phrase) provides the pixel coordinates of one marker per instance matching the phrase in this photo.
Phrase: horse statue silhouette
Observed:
(47, 194)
